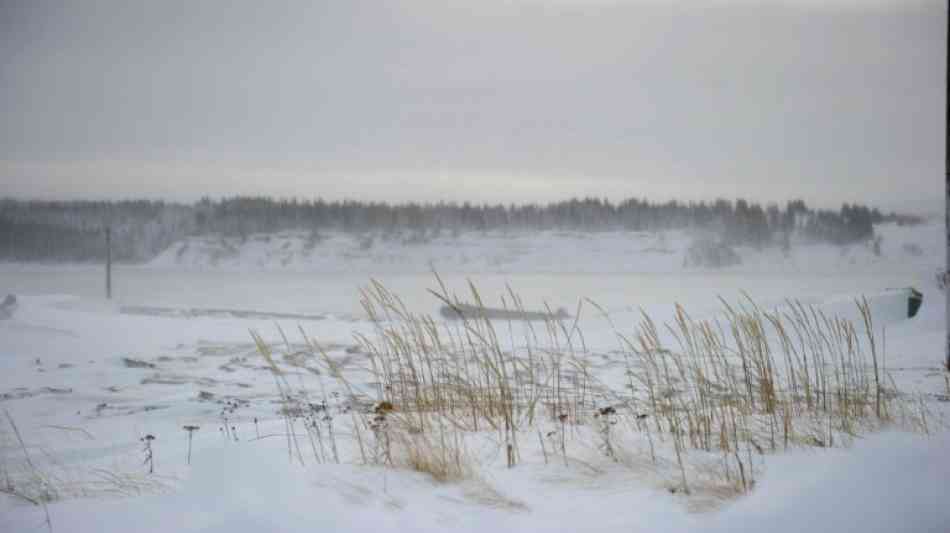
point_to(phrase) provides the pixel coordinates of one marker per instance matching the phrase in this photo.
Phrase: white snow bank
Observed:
(891, 482)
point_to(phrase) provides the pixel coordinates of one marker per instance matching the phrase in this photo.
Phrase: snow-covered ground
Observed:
(85, 379)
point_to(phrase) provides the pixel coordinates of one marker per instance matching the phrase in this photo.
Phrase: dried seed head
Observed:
(383, 407)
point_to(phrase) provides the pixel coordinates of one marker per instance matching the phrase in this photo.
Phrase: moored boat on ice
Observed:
(468, 311)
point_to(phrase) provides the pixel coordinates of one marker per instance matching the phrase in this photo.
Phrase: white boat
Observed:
(468, 311)
(888, 305)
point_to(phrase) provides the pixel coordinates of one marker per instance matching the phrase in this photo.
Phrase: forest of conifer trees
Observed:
(59, 231)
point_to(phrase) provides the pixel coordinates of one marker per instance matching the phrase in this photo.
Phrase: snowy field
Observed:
(85, 379)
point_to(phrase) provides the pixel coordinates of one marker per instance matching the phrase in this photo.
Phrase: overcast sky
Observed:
(486, 100)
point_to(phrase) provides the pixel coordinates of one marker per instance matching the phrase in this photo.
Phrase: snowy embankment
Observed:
(85, 382)
(901, 248)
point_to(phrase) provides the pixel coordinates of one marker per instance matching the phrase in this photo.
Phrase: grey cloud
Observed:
(832, 102)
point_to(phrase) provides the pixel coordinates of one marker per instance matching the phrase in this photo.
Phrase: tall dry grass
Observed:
(706, 396)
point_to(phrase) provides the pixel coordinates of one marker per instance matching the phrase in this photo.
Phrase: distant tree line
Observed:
(74, 230)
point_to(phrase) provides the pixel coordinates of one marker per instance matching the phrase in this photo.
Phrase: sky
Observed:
(492, 101)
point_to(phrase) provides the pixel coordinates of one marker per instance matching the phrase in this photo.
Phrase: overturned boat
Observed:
(887, 305)
(899, 303)
(460, 311)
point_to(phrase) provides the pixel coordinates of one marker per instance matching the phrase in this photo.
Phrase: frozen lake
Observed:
(296, 292)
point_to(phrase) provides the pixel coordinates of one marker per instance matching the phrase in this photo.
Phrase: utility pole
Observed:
(108, 262)
(946, 138)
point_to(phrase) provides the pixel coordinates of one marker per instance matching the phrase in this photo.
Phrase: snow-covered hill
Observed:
(902, 248)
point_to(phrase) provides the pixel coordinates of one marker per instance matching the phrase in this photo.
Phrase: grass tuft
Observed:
(700, 401)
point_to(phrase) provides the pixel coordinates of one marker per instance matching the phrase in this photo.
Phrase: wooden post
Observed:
(108, 262)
